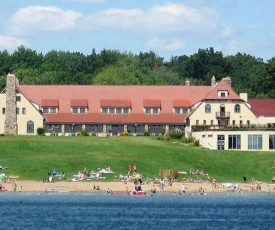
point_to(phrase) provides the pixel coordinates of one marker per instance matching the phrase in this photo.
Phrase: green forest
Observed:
(112, 67)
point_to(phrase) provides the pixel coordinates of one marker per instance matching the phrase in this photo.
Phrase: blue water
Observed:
(161, 211)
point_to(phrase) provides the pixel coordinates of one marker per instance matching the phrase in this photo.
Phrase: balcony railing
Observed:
(222, 115)
(233, 127)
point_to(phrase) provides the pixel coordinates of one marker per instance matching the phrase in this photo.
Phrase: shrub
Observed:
(125, 133)
(175, 134)
(184, 139)
(84, 133)
(146, 133)
(93, 134)
(40, 131)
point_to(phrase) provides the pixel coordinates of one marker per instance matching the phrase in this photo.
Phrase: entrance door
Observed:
(220, 142)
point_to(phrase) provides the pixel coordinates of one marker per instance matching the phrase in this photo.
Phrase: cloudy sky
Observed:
(167, 27)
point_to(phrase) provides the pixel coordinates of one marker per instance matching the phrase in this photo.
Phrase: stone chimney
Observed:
(213, 82)
(10, 113)
(187, 82)
(227, 80)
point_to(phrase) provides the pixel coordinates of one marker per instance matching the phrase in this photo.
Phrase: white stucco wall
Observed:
(244, 115)
(209, 139)
(32, 114)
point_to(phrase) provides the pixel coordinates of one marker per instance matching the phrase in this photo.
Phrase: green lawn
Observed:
(31, 157)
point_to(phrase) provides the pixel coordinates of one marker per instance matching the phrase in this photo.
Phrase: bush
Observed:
(40, 131)
(125, 133)
(184, 139)
(146, 133)
(84, 133)
(175, 134)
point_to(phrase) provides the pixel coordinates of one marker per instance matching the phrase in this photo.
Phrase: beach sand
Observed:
(88, 186)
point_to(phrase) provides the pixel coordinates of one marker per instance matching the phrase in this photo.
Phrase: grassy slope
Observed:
(32, 157)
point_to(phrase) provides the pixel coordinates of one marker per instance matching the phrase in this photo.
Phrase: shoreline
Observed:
(118, 187)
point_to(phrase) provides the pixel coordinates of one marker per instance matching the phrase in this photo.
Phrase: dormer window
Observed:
(223, 93)
(50, 105)
(152, 106)
(181, 106)
(181, 110)
(79, 106)
(49, 110)
(115, 106)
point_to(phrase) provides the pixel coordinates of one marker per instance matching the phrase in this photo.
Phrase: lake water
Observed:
(161, 211)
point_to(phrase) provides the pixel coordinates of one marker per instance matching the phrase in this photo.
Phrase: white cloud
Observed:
(34, 19)
(160, 44)
(162, 19)
(10, 43)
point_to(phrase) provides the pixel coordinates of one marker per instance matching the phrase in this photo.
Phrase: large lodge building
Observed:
(215, 115)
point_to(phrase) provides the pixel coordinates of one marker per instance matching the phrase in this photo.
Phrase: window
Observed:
(234, 142)
(17, 110)
(118, 110)
(155, 110)
(233, 122)
(237, 108)
(197, 122)
(184, 110)
(18, 98)
(111, 110)
(241, 122)
(30, 127)
(203, 136)
(255, 141)
(204, 122)
(177, 110)
(23, 110)
(147, 110)
(212, 122)
(75, 110)
(248, 123)
(82, 110)
(223, 93)
(207, 108)
(271, 141)
(181, 110)
(104, 110)
(50, 110)
(3, 110)
(45, 110)
(125, 110)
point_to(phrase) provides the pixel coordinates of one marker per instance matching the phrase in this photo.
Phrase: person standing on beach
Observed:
(183, 188)
(14, 186)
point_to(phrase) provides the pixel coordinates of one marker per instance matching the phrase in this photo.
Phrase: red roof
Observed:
(115, 103)
(222, 86)
(181, 104)
(49, 103)
(79, 103)
(262, 107)
(96, 96)
(92, 118)
(151, 103)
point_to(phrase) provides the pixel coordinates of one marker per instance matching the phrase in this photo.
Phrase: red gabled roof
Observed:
(115, 103)
(49, 103)
(222, 86)
(181, 103)
(95, 95)
(79, 103)
(262, 107)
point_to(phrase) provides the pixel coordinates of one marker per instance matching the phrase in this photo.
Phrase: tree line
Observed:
(111, 67)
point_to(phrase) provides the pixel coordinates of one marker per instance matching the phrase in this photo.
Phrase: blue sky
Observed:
(166, 27)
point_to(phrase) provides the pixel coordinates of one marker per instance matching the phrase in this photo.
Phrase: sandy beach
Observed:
(88, 186)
